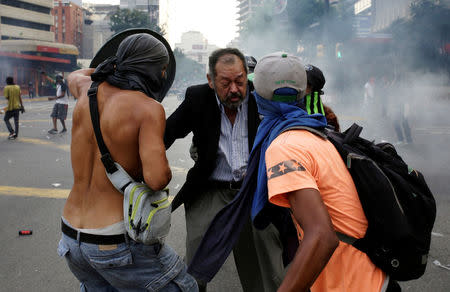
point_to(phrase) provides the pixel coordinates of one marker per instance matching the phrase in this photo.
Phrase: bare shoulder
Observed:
(143, 107)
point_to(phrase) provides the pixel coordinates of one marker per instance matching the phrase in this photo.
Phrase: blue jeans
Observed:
(128, 266)
(12, 114)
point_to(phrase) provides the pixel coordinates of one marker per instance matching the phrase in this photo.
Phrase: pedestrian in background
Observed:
(61, 106)
(15, 105)
(30, 90)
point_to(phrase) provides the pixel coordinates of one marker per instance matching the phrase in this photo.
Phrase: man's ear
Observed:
(210, 81)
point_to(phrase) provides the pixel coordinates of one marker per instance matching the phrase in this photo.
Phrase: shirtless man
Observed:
(94, 241)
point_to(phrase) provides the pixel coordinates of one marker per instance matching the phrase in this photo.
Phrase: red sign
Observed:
(47, 49)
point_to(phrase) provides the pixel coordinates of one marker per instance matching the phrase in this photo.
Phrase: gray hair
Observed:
(217, 54)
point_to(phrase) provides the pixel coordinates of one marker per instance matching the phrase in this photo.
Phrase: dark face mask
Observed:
(136, 66)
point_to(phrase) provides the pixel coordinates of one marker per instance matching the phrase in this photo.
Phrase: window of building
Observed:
(27, 6)
(24, 23)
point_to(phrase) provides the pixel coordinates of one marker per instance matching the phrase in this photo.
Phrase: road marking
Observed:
(65, 147)
(351, 118)
(38, 192)
(40, 121)
(34, 192)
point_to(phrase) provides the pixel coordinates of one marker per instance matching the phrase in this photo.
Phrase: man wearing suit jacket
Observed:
(223, 117)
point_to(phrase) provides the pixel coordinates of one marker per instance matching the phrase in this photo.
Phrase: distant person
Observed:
(15, 105)
(94, 242)
(30, 90)
(61, 106)
(303, 171)
(400, 110)
(369, 93)
(223, 117)
(251, 63)
(384, 93)
(312, 102)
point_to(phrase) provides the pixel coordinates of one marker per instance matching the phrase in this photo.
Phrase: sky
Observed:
(215, 19)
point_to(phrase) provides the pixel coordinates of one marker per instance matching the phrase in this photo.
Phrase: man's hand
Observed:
(22, 109)
(52, 98)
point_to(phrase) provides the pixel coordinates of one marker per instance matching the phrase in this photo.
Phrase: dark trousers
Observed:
(257, 254)
(12, 114)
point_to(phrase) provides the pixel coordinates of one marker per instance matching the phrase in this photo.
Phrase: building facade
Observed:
(96, 28)
(28, 47)
(246, 8)
(377, 15)
(68, 23)
(195, 47)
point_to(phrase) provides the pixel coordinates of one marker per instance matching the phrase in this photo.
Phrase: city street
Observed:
(36, 176)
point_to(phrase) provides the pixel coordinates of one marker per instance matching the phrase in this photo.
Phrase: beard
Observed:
(233, 105)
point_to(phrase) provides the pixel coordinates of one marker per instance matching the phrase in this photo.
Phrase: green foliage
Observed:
(123, 19)
(420, 40)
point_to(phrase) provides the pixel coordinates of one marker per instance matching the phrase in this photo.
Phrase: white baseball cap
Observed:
(279, 70)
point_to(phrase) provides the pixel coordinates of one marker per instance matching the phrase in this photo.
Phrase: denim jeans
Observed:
(12, 114)
(128, 266)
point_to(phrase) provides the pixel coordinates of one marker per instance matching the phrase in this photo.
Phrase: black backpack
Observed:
(399, 206)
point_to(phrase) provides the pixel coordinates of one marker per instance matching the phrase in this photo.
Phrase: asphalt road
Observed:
(35, 178)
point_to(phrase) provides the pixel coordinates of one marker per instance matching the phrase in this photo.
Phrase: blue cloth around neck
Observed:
(277, 117)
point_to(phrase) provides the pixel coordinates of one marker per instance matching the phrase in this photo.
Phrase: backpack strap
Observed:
(320, 133)
(106, 158)
(346, 238)
(352, 133)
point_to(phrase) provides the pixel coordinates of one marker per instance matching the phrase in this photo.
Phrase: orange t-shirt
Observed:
(299, 159)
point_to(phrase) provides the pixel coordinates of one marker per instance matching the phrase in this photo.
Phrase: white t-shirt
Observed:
(59, 88)
(369, 90)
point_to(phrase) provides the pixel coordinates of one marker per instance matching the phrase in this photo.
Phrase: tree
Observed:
(420, 40)
(188, 71)
(123, 19)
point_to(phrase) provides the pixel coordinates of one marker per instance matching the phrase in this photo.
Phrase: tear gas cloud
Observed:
(421, 96)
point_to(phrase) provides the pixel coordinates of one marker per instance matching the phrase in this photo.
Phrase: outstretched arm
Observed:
(318, 244)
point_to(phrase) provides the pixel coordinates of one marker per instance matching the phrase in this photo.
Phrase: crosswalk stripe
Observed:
(34, 192)
(65, 147)
(39, 192)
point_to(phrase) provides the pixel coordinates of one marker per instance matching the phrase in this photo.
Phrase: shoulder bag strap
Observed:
(106, 158)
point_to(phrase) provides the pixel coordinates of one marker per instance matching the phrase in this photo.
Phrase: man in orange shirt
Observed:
(306, 174)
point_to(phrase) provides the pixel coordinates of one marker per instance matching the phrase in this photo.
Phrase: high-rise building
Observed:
(27, 43)
(246, 10)
(68, 19)
(96, 27)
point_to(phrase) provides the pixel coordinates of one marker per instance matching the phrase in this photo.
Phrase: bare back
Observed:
(132, 126)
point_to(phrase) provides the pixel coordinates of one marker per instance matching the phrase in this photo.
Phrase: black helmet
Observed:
(251, 63)
(315, 78)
